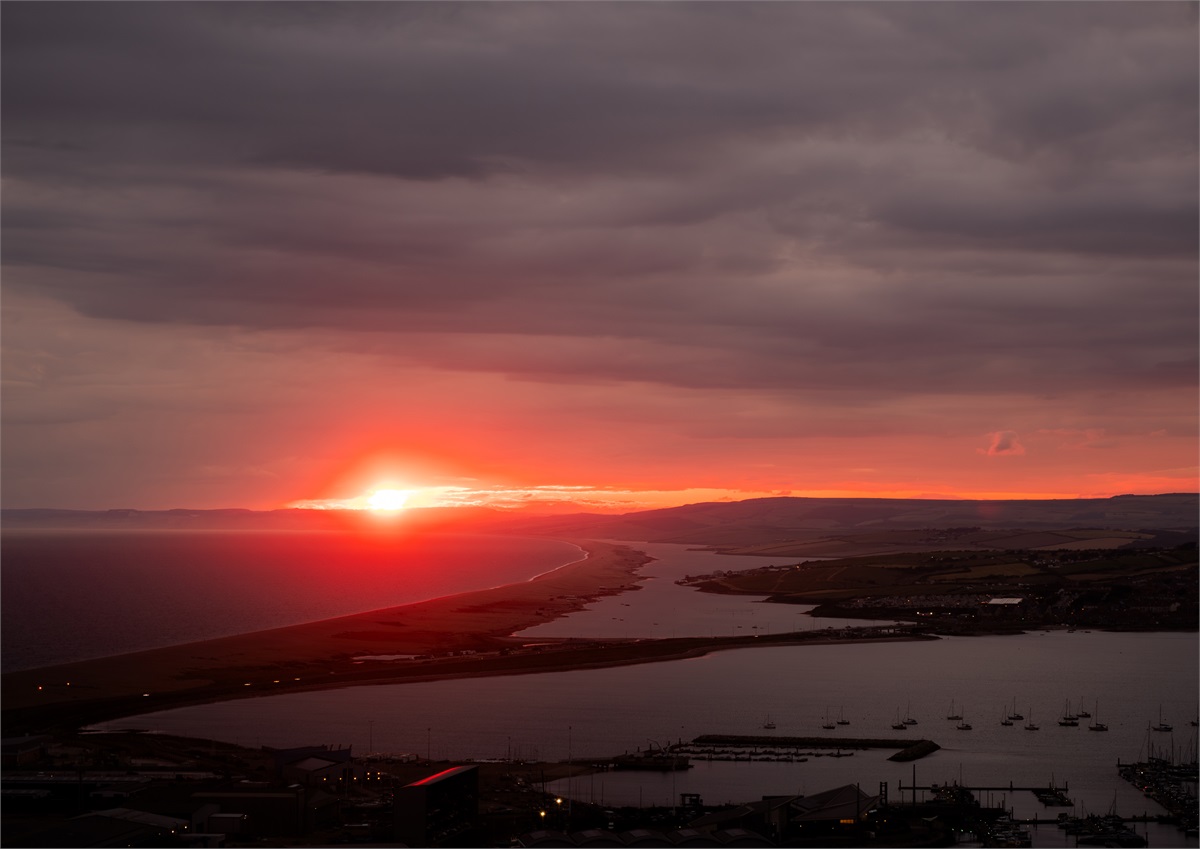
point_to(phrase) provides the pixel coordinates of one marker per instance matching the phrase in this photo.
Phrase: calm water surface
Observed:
(98, 594)
(662, 608)
(604, 712)
(77, 595)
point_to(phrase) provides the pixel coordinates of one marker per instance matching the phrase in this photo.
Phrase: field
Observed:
(816, 543)
(1099, 587)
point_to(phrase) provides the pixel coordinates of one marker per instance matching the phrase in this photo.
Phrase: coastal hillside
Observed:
(757, 525)
(766, 522)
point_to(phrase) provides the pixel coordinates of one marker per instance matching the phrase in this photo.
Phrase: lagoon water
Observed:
(662, 608)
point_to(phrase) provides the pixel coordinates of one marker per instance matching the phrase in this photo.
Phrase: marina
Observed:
(728, 693)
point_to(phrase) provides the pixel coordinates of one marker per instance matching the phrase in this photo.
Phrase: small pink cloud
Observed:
(1004, 443)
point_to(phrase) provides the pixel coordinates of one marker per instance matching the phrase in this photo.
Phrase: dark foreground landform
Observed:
(994, 591)
(66, 798)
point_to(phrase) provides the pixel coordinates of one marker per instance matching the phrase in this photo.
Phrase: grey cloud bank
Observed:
(898, 198)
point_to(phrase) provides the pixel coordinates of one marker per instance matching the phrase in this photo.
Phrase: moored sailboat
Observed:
(827, 724)
(1030, 726)
(1162, 726)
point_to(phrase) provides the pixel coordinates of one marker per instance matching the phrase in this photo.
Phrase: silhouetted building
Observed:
(20, 751)
(644, 837)
(113, 827)
(264, 811)
(769, 816)
(841, 810)
(439, 808)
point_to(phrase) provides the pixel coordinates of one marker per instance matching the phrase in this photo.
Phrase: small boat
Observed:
(827, 724)
(1030, 726)
(1014, 714)
(770, 723)
(963, 726)
(952, 714)
(898, 725)
(1097, 725)
(908, 720)
(842, 717)
(1004, 720)
(1162, 726)
(1082, 712)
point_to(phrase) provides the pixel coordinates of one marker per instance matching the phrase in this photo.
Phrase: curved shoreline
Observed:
(463, 635)
(479, 620)
(565, 656)
(266, 580)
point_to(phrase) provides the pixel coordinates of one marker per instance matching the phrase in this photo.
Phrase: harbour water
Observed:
(597, 713)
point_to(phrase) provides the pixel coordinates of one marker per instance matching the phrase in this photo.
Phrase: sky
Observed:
(596, 255)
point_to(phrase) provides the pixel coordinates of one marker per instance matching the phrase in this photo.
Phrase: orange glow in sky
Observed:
(387, 499)
(714, 303)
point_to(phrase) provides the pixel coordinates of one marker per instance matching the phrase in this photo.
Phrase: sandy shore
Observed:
(479, 621)
(477, 627)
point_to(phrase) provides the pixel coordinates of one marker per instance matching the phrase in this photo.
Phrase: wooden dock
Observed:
(1056, 795)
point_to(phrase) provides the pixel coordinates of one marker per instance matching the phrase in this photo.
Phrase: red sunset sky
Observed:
(618, 255)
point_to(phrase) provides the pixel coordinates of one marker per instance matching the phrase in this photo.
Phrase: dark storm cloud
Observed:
(911, 195)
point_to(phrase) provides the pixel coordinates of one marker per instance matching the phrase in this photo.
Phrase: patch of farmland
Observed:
(1083, 544)
(989, 570)
(1102, 533)
(1027, 540)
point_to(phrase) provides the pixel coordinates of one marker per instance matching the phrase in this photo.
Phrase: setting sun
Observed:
(388, 499)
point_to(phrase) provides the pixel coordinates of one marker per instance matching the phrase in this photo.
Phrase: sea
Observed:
(1130, 681)
(77, 595)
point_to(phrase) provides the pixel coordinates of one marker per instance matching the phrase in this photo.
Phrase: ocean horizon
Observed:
(80, 595)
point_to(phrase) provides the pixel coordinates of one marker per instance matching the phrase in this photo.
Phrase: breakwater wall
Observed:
(908, 749)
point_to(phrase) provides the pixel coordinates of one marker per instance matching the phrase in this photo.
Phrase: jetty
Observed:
(1049, 794)
(762, 747)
